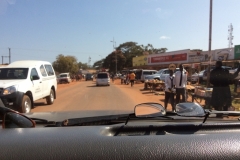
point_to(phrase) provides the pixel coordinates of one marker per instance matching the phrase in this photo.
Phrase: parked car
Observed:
(142, 73)
(89, 76)
(212, 67)
(103, 79)
(160, 75)
(197, 76)
(23, 82)
(64, 78)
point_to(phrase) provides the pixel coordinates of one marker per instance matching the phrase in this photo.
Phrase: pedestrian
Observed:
(112, 76)
(132, 78)
(220, 78)
(169, 90)
(127, 78)
(180, 82)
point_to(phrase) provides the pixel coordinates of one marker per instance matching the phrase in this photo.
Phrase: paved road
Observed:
(86, 96)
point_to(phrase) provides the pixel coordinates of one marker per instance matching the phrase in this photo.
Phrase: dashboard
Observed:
(136, 140)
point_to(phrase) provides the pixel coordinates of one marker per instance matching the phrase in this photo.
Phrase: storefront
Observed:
(162, 60)
(193, 60)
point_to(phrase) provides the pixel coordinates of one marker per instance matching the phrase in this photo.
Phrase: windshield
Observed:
(63, 75)
(102, 75)
(159, 72)
(115, 54)
(13, 73)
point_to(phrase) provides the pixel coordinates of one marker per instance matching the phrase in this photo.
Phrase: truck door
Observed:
(36, 84)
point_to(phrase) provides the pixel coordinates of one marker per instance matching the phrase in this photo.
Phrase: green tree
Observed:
(83, 66)
(98, 64)
(132, 49)
(66, 64)
(110, 61)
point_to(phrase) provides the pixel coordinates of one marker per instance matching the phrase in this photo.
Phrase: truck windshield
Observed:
(13, 73)
(63, 75)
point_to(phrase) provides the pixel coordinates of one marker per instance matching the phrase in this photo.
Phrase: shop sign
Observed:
(196, 58)
(139, 61)
(169, 58)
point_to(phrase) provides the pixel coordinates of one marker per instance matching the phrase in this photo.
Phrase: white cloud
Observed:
(164, 37)
(163, 13)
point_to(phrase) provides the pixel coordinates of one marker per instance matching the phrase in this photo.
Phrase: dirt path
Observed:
(137, 94)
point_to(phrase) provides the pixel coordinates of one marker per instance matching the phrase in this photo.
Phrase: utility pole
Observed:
(209, 46)
(9, 55)
(115, 52)
(101, 62)
(230, 36)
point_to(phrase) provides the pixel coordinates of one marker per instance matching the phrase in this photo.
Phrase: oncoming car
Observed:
(102, 79)
(64, 78)
(89, 76)
(24, 82)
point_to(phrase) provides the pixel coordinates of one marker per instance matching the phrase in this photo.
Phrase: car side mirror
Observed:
(149, 110)
(35, 77)
(17, 120)
(190, 109)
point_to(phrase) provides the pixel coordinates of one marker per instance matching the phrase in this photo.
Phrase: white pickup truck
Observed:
(23, 82)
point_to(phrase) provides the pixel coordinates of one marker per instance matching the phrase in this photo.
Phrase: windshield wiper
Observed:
(100, 120)
(221, 114)
(42, 121)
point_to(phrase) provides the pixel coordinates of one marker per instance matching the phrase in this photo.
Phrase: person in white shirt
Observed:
(180, 82)
(169, 90)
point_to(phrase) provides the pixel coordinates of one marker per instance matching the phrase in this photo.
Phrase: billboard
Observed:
(223, 54)
(139, 61)
(195, 56)
(168, 57)
(237, 52)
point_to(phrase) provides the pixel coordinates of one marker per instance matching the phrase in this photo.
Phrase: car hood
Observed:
(60, 116)
(8, 83)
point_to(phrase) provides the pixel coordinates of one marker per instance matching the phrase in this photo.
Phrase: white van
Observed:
(23, 82)
(141, 73)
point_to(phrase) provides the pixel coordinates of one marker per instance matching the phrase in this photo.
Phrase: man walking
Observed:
(132, 78)
(180, 82)
(220, 78)
(169, 90)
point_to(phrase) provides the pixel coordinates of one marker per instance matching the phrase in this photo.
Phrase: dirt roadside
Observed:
(139, 95)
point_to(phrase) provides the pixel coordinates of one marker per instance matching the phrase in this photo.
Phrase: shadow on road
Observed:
(92, 86)
(147, 92)
(97, 86)
(36, 104)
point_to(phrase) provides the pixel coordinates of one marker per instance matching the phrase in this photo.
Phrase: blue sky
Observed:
(42, 29)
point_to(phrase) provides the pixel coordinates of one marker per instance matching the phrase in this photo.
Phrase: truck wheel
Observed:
(26, 105)
(50, 98)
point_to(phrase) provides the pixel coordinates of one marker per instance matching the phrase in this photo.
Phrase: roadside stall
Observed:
(202, 93)
(152, 85)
